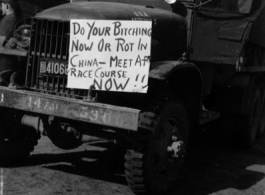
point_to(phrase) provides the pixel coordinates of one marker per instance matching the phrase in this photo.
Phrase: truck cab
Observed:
(201, 59)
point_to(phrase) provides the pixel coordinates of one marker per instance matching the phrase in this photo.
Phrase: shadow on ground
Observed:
(213, 164)
(104, 165)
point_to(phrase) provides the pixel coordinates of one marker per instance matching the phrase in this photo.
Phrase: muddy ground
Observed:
(213, 166)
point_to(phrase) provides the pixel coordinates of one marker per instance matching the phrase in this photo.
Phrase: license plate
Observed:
(53, 67)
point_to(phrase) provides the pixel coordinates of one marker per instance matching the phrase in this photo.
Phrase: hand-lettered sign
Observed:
(111, 55)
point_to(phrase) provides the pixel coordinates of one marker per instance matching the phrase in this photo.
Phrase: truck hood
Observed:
(113, 11)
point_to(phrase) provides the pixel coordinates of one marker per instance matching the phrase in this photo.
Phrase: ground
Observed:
(213, 167)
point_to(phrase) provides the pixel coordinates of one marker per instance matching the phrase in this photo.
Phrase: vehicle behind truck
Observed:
(146, 74)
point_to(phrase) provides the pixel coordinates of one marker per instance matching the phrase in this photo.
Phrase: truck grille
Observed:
(49, 41)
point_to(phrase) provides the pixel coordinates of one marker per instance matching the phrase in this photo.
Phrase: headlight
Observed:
(23, 35)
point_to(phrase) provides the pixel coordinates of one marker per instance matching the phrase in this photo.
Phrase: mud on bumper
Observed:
(91, 112)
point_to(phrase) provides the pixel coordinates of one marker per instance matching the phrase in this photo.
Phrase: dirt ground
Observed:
(213, 166)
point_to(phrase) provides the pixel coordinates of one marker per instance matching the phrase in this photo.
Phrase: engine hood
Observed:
(113, 11)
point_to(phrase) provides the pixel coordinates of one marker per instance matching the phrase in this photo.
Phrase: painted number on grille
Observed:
(50, 67)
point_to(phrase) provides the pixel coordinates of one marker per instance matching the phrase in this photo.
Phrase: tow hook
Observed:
(90, 97)
(175, 147)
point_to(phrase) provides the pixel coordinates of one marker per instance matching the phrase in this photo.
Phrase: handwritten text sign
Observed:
(111, 55)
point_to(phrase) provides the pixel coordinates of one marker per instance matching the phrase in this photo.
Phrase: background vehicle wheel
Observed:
(154, 169)
(16, 141)
(247, 125)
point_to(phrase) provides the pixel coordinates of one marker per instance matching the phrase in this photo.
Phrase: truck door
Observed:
(218, 31)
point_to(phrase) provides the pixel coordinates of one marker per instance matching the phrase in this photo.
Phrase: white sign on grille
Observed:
(111, 55)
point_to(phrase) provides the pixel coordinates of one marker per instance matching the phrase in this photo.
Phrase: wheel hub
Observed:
(169, 148)
(175, 148)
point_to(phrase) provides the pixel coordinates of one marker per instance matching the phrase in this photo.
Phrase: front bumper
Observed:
(91, 112)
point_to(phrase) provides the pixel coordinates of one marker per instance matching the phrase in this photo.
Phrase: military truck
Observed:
(206, 61)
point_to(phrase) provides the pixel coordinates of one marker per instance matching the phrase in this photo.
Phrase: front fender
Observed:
(186, 80)
(164, 69)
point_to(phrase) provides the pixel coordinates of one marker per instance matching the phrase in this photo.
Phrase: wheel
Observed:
(247, 124)
(261, 126)
(153, 170)
(16, 141)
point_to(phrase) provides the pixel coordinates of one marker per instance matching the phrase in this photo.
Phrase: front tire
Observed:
(16, 140)
(154, 169)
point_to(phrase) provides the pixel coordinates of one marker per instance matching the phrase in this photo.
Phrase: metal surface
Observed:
(163, 69)
(96, 113)
(113, 11)
(208, 116)
(35, 122)
(49, 40)
(175, 147)
(13, 52)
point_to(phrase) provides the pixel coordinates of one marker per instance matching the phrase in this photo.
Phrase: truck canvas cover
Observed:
(222, 27)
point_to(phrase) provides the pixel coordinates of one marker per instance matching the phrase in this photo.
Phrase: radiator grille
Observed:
(49, 40)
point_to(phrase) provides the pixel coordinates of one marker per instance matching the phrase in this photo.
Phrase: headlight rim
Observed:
(19, 36)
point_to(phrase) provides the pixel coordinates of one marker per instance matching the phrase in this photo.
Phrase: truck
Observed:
(207, 61)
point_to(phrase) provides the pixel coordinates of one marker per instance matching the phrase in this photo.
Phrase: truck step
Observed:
(208, 116)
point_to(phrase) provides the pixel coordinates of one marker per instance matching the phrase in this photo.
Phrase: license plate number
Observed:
(53, 67)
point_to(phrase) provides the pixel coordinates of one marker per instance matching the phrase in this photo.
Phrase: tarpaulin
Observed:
(219, 37)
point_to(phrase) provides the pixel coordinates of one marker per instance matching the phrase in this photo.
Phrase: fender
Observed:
(164, 69)
(186, 80)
